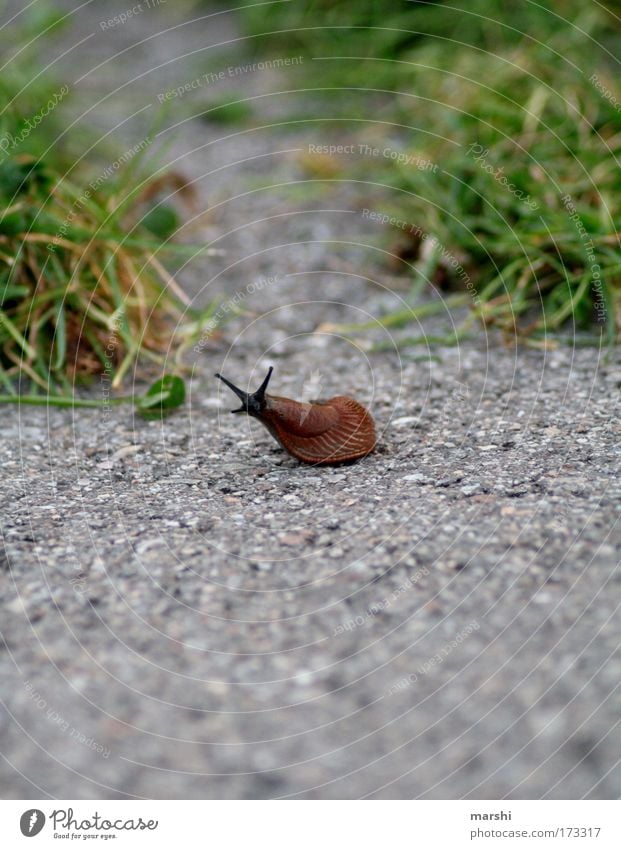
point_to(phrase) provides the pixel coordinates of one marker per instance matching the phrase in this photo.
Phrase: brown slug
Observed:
(318, 432)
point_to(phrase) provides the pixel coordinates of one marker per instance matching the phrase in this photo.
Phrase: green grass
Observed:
(230, 111)
(537, 239)
(85, 291)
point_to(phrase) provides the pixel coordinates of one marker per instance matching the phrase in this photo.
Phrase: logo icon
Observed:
(32, 822)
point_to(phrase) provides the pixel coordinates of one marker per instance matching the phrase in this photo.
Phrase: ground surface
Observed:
(187, 612)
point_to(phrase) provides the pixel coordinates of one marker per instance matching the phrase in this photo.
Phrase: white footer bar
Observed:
(311, 824)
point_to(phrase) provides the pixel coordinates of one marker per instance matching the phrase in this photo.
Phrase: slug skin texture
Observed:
(318, 432)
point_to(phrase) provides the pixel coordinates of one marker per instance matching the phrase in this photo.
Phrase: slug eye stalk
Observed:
(251, 404)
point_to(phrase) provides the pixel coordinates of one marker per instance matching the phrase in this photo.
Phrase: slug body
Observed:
(319, 432)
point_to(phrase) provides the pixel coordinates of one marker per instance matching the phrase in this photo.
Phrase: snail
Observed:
(319, 432)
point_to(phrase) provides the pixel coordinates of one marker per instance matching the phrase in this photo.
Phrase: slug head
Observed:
(252, 404)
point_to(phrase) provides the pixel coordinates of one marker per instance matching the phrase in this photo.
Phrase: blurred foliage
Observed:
(26, 88)
(228, 112)
(501, 98)
(83, 290)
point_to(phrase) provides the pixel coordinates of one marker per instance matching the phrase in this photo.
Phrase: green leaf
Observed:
(164, 395)
(162, 221)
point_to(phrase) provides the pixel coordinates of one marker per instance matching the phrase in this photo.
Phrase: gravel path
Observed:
(186, 612)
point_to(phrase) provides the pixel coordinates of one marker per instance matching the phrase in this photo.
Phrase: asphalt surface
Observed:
(187, 612)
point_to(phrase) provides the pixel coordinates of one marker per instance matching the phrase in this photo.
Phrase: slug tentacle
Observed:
(320, 432)
(251, 404)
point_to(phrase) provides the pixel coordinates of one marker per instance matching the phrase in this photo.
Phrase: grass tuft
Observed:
(83, 291)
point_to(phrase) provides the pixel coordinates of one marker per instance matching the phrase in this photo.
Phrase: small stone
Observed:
(404, 421)
(296, 537)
